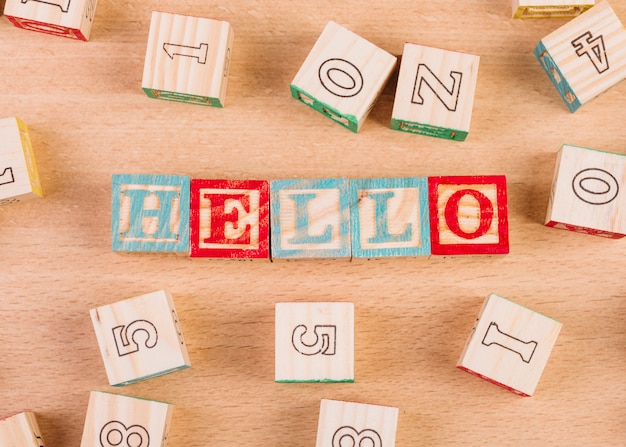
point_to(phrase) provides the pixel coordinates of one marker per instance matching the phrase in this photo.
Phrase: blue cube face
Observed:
(389, 217)
(150, 213)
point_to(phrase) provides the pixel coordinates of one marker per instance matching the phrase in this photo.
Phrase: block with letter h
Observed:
(534, 9)
(20, 430)
(343, 76)
(19, 179)
(588, 192)
(66, 18)
(510, 345)
(187, 59)
(435, 92)
(114, 420)
(584, 57)
(314, 342)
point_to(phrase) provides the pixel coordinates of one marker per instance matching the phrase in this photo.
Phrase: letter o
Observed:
(583, 183)
(451, 213)
(340, 77)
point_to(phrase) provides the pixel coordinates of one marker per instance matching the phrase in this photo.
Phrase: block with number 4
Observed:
(20, 430)
(533, 9)
(140, 338)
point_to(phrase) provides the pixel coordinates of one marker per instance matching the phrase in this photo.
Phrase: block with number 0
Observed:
(20, 430)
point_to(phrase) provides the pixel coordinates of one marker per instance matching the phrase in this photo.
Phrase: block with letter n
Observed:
(435, 92)
(229, 219)
(585, 57)
(343, 76)
(150, 213)
(20, 430)
(536, 9)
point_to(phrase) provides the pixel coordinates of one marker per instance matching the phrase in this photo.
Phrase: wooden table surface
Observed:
(89, 119)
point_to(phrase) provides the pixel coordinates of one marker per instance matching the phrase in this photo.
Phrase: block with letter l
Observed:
(534, 9)
(150, 213)
(20, 430)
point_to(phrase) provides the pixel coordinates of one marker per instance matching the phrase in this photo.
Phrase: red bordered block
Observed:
(468, 215)
(229, 219)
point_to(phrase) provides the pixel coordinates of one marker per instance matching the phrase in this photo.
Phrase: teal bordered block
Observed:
(310, 218)
(150, 213)
(389, 217)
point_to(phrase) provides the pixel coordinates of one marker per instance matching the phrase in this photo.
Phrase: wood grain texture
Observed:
(89, 119)
(20, 430)
(540, 9)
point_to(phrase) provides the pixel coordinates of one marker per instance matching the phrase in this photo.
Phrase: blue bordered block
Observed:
(150, 213)
(310, 218)
(389, 217)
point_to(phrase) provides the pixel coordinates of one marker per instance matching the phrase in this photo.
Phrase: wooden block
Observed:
(435, 92)
(229, 219)
(187, 59)
(343, 76)
(314, 342)
(20, 430)
(150, 212)
(19, 179)
(66, 18)
(140, 338)
(468, 215)
(585, 57)
(588, 192)
(510, 345)
(113, 420)
(537, 9)
(389, 217)
(310, 218)
(355, 424)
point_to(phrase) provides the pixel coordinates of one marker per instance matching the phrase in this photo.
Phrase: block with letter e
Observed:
(435, 92)
(588, 192)
(140, 338)
(310, 218)
(468, 215)
(343, 76)
(535, 9)
(150, 213)
(585, 57)
(509, 345)
(229, 219)
(20, 430)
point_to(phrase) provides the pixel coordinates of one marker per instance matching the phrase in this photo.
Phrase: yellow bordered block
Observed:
(19, 179)
(586, 56)
(187, 59)
(342, 76)
(20, 430)
(538, 9)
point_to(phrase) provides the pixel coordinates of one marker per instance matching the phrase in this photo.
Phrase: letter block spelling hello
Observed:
(533, 9)
(314, 342)
(510, 345)
(66, 18)
(20, 430)
(140, 338)
(389, 217)
(113, 420)
(435, 92)
(19, 179)
(229, 219)
(355, 424)
(343, 76)
(150, 213)
(588, 192)
(310, 219)
(468, 215)
(187, 59)
(585, 56)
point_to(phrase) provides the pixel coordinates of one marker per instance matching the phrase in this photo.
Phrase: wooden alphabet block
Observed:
(343, 76)
(20, 430)
(113, 420)
(588, 192)
(140, 338)
(150, 212)
(535, 9)
(66, 18)
(585, 56)
(19, 179)
(310, 218)
(468, 215)
(314, 342)
(435, 92)
(510, 345)
(187, 59)
(389, 217)
(355, 424)
(229, 219)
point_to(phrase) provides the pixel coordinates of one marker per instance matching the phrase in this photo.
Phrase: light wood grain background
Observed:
(89, 119)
